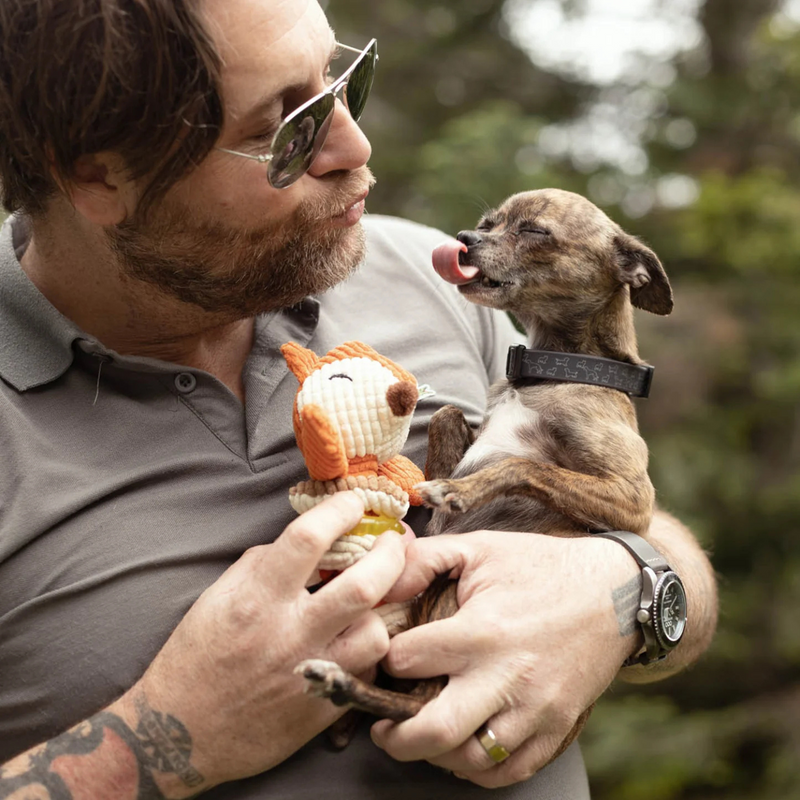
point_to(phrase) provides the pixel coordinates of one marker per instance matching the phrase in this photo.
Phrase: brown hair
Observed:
(136, 77)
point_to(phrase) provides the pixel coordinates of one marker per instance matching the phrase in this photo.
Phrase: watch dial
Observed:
(672, 610)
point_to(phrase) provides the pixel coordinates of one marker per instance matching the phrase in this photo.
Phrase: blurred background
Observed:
(681, 118)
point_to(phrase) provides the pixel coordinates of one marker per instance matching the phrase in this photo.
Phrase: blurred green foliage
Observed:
(460, 120)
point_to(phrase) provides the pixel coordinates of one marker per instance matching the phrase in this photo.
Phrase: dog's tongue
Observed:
(445, 262)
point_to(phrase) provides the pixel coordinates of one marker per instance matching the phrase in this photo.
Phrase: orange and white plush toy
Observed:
(352, 414)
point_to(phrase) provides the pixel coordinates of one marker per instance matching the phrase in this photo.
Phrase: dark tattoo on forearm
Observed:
(160, 743)
(166, 743)
(626, 602)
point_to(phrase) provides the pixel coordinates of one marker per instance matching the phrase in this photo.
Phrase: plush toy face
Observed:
(369, 406)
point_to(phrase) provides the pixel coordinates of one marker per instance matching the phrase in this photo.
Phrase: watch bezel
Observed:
(666, 579)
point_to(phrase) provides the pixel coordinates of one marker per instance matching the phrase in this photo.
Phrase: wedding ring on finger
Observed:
(489, 742)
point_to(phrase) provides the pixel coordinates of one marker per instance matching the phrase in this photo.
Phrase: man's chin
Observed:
(308, 268)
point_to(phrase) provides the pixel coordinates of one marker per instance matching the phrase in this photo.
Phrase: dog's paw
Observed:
(432, 492)
(442, 495)
(323, 678)
(454, 503)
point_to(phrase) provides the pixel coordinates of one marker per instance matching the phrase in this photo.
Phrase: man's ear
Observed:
(639, 267)
(97, 189)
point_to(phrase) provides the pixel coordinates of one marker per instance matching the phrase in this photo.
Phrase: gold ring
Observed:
(489, 742)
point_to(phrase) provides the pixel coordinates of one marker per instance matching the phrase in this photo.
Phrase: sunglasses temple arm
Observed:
(262, 158)
(347, 47)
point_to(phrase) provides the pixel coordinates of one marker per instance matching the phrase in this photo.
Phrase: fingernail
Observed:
(460, 776)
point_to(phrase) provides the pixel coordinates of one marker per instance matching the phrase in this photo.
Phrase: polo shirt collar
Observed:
(35, 339)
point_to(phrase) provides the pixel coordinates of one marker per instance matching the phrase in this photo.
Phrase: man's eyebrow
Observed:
(262, 108)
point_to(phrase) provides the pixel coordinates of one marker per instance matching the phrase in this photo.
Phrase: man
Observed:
(148, 278)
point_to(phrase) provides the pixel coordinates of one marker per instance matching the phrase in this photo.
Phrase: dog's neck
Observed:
(608, 332)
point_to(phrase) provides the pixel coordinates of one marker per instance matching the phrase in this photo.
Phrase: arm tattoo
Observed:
(166, 743)
(161, 743)
(626, 600)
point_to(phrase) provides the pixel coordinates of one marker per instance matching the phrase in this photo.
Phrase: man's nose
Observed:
(346, 147)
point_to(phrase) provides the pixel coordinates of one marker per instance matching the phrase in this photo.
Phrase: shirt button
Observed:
(185, 382)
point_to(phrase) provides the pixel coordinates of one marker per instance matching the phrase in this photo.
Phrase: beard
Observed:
(235, 272)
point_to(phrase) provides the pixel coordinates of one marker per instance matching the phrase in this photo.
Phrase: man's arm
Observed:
(220, 700)
(543, 625)
(116, 753)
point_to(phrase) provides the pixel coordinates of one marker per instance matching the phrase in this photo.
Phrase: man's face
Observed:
(223, 238)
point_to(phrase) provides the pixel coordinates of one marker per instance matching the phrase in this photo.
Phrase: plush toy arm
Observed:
(322, 445)
(406, 474)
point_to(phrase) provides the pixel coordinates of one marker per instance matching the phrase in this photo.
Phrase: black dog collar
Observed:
(547, 365)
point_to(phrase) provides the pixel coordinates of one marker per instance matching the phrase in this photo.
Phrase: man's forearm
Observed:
(128, 751)
(677, 544)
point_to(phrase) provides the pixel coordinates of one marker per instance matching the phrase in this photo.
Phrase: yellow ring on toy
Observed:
(376, 525)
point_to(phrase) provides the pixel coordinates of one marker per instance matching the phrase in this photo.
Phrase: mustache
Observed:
(348, 189)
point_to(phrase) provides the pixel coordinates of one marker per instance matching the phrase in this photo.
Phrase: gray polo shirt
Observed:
(128, 485)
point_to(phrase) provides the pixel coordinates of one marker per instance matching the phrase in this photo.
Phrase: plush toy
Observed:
(352, 413)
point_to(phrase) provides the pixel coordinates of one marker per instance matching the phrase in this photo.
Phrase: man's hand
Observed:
(226, 673)
(543, 626)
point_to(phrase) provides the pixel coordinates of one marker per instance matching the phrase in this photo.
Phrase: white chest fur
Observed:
(511, 429)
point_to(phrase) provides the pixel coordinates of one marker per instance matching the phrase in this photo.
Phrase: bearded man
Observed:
(186, 184)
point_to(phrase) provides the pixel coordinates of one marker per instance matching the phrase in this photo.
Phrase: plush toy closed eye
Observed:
(352, 415)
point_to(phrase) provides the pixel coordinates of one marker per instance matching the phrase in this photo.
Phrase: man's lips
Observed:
(352, 213)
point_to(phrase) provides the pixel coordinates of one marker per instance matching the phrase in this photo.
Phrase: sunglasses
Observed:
(300, 137)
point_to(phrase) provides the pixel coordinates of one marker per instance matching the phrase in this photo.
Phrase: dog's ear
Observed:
(639, 267)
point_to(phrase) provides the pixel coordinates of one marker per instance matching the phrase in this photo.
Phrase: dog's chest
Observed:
(511, 429)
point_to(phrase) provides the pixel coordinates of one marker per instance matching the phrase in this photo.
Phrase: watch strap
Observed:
(647, 557)
(645, 554)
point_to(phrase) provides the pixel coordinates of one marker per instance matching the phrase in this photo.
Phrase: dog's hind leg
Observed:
(449, 437)
(327, 679)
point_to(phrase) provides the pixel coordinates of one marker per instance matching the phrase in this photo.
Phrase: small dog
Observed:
(552, 456)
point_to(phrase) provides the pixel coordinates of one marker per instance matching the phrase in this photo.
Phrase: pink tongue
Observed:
(445, 262)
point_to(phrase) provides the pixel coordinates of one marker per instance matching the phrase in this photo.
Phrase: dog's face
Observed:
(548, 251)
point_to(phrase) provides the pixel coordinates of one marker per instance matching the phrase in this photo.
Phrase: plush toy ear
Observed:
(301, 362)
(640, 268)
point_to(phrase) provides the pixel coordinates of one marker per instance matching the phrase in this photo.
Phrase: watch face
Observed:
(671, 610)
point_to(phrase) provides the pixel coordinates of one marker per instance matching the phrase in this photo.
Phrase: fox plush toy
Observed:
(352, 414)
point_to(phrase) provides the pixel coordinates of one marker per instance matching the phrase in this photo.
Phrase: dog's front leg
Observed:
(594, 502)
(449, 437)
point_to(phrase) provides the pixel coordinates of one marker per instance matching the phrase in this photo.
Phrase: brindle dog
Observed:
(551, 457)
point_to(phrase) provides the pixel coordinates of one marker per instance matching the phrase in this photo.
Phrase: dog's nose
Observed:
(469, 238)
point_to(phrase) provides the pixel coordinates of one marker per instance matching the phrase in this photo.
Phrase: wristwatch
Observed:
(662, 608)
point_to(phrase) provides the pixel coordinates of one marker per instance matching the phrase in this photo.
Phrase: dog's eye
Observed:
(486, 225)
(534, 229)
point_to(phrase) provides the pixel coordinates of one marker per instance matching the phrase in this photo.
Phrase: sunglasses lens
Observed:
(359, 83)
(298, 142)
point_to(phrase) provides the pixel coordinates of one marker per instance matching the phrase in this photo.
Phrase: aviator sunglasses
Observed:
(300, 137)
